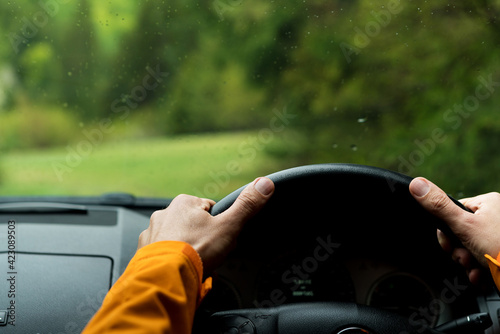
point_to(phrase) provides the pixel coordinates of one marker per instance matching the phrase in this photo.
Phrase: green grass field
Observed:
(202, 165)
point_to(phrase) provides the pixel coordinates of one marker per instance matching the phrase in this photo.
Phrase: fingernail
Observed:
(420, 187)
(264, 186)
(441, 238)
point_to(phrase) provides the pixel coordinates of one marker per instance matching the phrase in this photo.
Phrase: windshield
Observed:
(158, 98)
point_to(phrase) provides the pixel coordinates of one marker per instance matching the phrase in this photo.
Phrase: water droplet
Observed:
(354, 147)
(334, 146)
(362, 120)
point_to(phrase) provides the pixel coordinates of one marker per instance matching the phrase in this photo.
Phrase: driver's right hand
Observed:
(478, 231)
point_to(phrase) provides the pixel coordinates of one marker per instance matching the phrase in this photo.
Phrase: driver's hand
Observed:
(187, 219)
(479, 231)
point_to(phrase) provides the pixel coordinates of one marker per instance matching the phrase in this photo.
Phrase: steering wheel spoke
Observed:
(317, 318)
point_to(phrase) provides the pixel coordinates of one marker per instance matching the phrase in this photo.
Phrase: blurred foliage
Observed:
(375, 82)
(37, 127)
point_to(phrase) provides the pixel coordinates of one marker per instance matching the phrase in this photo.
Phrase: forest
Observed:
(412, 86)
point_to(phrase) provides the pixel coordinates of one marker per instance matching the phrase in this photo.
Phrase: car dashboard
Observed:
(69, 251)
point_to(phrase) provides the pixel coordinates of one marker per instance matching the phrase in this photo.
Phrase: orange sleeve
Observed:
(494, 265)
(158, 292)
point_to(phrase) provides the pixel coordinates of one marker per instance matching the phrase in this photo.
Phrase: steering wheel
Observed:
(364, 203)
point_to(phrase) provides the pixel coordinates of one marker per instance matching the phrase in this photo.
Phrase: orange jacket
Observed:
(158, 292)
(494, 265)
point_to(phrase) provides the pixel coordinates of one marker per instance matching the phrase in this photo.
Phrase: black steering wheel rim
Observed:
(395, 181)
(389, 184)
(355, 191)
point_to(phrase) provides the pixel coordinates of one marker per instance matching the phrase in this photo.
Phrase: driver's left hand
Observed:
(187, 219)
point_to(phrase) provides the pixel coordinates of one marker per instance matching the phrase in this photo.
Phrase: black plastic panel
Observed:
(97, 217)
(64, 263)
(54, 293)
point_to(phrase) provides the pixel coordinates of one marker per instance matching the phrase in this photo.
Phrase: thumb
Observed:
(437, 202)
(249, 202)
